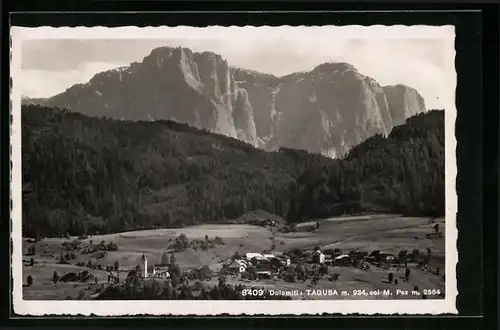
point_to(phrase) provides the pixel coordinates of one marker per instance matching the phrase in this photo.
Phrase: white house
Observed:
(286, 260)
(318, 257)
(250, 256)
(237, 265)
(161, 274)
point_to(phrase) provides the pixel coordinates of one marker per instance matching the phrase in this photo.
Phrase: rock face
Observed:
(327, 110)
(403, 102)
(170, 83)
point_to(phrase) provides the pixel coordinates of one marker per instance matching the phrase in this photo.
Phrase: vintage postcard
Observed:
(272, 170)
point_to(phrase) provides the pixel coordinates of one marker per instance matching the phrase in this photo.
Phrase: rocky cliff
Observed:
(327, 110)
(404, 102)
(170, 83)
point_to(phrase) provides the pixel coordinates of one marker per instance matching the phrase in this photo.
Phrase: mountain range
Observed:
(327, 110)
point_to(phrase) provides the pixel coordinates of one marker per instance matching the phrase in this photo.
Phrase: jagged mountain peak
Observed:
(334, 66)
(327, 110)
(179, 53)
(255, 73)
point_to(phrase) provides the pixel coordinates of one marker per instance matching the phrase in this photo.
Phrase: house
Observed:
(263, 269)
(242, 262)
(286, 260)
(333, 252)
(268, 256)
(237, 266)
(161, 274)
(283, 258)
(342, 260)
(318, 257)
(283, 261)
(70, 277)
(375, 254)
(387, 257)
(250, 256)
(328, 259)
(373, 257)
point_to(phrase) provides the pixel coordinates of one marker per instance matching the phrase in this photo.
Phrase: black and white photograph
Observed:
(271, 170)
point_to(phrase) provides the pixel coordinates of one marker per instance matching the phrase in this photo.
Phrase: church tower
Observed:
(144, 261)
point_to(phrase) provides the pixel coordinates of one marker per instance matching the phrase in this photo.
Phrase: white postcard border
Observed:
(217, 307)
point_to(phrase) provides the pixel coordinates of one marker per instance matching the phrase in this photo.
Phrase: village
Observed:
(85, 267)
(296, 266)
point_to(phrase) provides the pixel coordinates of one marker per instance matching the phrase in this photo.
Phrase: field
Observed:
(387, 233)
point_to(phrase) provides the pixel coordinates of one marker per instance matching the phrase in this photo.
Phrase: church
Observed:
(156, 272)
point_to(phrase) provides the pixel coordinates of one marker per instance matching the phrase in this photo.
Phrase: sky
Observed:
(53, 61)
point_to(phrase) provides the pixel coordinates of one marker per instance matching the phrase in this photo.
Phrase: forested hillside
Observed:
(99, 175)
(83, 174)
(403, 173)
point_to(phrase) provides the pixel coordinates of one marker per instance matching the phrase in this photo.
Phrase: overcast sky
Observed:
(49, 66)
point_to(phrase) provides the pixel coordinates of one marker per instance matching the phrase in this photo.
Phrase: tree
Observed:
(96, 173)
(204, 273)
(111, 246)
(415, 253)
(155, 288)
(174, 279)
(165, 258)
(173, 261)
(300, 271)
(55, 277)
(407, 274)
(252, 271)
(174, 269)
(402, 255)
(30, 280)
(436, 228)
(429, 255)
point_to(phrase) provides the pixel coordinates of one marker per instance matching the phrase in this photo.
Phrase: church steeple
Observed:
(144, 261)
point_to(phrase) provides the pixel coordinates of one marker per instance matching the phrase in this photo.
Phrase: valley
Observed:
(393, 234)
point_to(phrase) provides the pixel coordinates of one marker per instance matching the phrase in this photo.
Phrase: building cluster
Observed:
(153, 272)
(263, 263)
